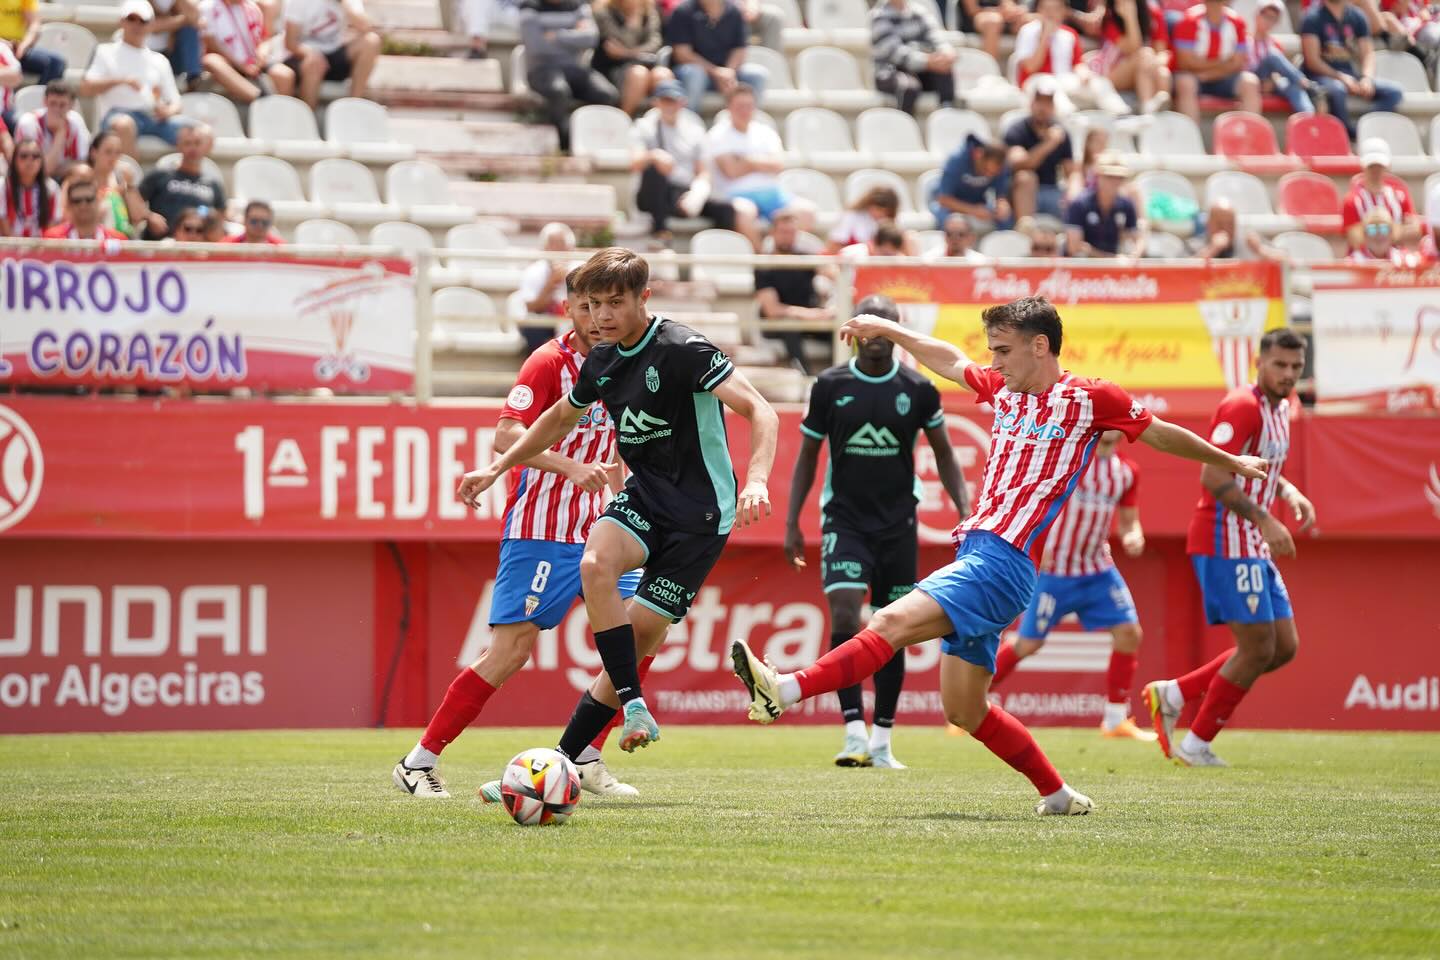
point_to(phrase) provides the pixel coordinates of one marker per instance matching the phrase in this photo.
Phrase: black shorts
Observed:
(676, 562)
(855, 561)
(338, 68)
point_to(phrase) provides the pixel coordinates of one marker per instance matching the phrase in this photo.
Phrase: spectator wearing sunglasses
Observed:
(82, 210)
(959, 242)
(1380, 246)
(189, 227)
(29, 200)
(133, 86)
(259, 226)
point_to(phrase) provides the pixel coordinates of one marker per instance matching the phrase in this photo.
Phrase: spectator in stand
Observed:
(959, 242)
(189, 227)
(670, 158)
(58, 127)
(216, 227)
(1267, 61)
(175, 35)
(888, 240)
(20, 28)
(1103, 221)
(1211, 51)
(29, 200)
(1040, 155)
(975, 182)
(910, 54)
(785, 293)
(1380, 243)
(1083, 177)
(478, 17)
(628, 52)
(1135, 51)
(11, 76)
(259, 226)
(82, 210)
(1048, 45)
(1044, 238)
(1217, 242)
(133, 86)
(991, 19)
(1375, 187)
(238, 54)
(121, 206)
(1339, 57)
(330, 40)
(765, 22)
(709, 39)
(542, 285)
(169, 193)
(746, 159)
(876, 206)
(558, 35)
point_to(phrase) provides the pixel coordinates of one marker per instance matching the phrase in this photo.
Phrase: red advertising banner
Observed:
(1377, 476)
(172, 636)
(158, 318)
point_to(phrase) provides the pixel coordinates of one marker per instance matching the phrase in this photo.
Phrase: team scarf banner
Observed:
(132, 318)
(1377, 338)
(1177, 337)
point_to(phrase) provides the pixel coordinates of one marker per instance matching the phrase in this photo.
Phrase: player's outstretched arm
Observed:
(800, 483)
(590, 477)
(1169, 438)
(944, 358)
(740, 395)
(547, 430)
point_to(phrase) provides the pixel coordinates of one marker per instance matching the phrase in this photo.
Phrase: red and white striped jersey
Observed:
(543, 505)
(24, 220)
(237, 27)
(1245, 423)
(1061, 58)
(1393, 197)
(32, 126)
(1079, 543)
(8, 61)
(1213, 42)
(1039, 445)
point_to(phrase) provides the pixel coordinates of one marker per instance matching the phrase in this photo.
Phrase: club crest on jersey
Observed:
(652, 379)
(1253, 602)
(902, 404)
(532, 603)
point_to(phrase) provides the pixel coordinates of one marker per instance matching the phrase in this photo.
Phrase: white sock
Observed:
(879, 737)
(1174, 699)
(855, 728)
(421, 759)
(1192, 743)
(1115, 714)
(789, 690)
(1060, 798)
(588, 755)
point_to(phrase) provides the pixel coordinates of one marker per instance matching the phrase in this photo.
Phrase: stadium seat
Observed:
(603, 134)
(981, 84)
(402, 235)
(1175, 140)
(861, 180)
(422, 187)
(930, 240)
(70, 40)
(820, 138)
(894, 137)
(1152, 182)
(1408, 157)
(29, 99)
(780, 92)
(925, 186)
(731, 279)
(1005, 244)
(220, 115)
(1164, 246)
(833, 77)
(814, 186)
(476, 236)
(347, 189)
(791, 11)
(1321, 141)
(1304, 246)
(275, 181)
(846, 22)
(947, 128)
(1435, 136)
(1313, 198)
(325, 233)
(489, 273)
(466, 320)
(1249, 141)
(1245, 192)
(1406, 70)
(362, 128)
(288, 127)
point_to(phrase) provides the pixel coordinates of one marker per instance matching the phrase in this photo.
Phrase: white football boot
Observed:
(760, 679)
(419, 782)
(596, 778)
(1071, 803)
(855, 753)
(1201, 757)
(882, 759)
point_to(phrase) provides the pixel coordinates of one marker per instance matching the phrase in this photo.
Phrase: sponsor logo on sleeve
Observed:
(520, 398)
(1222, 434)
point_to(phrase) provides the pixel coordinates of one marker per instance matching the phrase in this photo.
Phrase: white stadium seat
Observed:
(490, 273)
(1172, 134)
(1005, 244)
(837, 14)
(325, 233)
(288, 128)
(220, 115)
(603, 134)
(402, 235)
(925, 185)
(1304, 246)
(347, 189)
(780, 92)
(466, 320)
(947, 128)
(1164, 246)
(29, 99)
(70, 40)
(275, 181)
(1245, 192)
(813, 186)
(833, 76)
(820, 138)
(729, 279)
(894, 137)
(423, 189)
(1397, 131)
(861, 180)
(362, 129)
(1402, 68)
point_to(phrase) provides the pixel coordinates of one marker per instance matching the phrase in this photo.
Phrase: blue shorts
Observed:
(982, 592)
(538, 580)
(146, 125)
(768, 200)
(1100, 600)
(1242, 590)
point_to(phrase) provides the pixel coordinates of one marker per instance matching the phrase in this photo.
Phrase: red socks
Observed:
(1008, 739)
(1120, 676)
(463, 702)
(599, 742)
(1005, 662)
(846, 665)
(1197, 681)
(1220, 701)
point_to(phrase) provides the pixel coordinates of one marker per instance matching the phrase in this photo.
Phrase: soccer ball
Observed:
(540, 786)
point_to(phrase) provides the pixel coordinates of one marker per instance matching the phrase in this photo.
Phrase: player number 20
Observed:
(542, 577)
(1249, 578)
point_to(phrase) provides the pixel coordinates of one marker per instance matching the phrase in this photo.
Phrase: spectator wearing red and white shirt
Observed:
(1211, 50)
(1047, 45)
(1378, 231)
(238, 52)
(29, 200)
(1375, 187)
(259, 226)
(82, 208)
(58, 128)
(1135, 51)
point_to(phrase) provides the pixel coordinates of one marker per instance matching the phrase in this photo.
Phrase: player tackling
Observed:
(1232, 538)
(1078, 575)
(1047, 423)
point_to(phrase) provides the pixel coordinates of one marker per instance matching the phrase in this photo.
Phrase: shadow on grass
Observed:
(952, 816)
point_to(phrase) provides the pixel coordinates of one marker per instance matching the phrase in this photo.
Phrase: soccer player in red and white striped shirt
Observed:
(1078, 576)
(1047, 424)
(1233, 537)
(1211, 52)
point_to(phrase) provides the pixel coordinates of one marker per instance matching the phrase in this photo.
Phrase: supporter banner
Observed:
(1377, 476)
(1377, 338)
(130, 636)
(1176, 336)
(213, 324)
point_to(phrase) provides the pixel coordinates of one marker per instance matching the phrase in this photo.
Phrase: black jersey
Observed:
(871, 424)
(670, 428)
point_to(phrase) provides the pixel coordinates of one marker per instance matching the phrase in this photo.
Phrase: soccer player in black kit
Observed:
(870, 411)
(663, 385)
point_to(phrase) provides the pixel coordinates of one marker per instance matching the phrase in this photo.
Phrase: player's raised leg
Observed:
(599, 704)
(613, 548)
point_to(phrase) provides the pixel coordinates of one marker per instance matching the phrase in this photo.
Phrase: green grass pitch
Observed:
(747, 843)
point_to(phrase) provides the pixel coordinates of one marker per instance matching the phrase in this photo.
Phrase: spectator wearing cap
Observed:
(959, 242)
(238, 54)
(169, 193)
(1267, 61)
(910, 54)
(628, 52)
(1040, 155)
(82, 210)
(709, 38)
(58, 127)
(259, 224)
(330, 40)
(791, 293)
(175, 34)
(20, 29)
(1374, 186)
(133, 86)
(558, 37)
(746, 158)
(1339, 57)
(669, 155)
(975, 181)
(1102, 221)
(1211, 51)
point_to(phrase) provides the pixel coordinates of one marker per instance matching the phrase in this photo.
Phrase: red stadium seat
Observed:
(1313, 199)
(1321, 141)
(1249, 141)
(1268, 104)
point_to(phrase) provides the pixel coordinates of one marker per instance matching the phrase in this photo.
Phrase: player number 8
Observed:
(1249, 578)
(542, 577)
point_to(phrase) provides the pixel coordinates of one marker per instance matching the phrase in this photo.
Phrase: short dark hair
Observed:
(1031, 316)
(570, 288)
(739, 89)
(259, 205)
(991, 151)
(62, 86)
(1283, 338)
(889, 234)
(879, 305)
(613, 268)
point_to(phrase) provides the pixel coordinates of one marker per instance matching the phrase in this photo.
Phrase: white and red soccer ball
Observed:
(540, 786)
